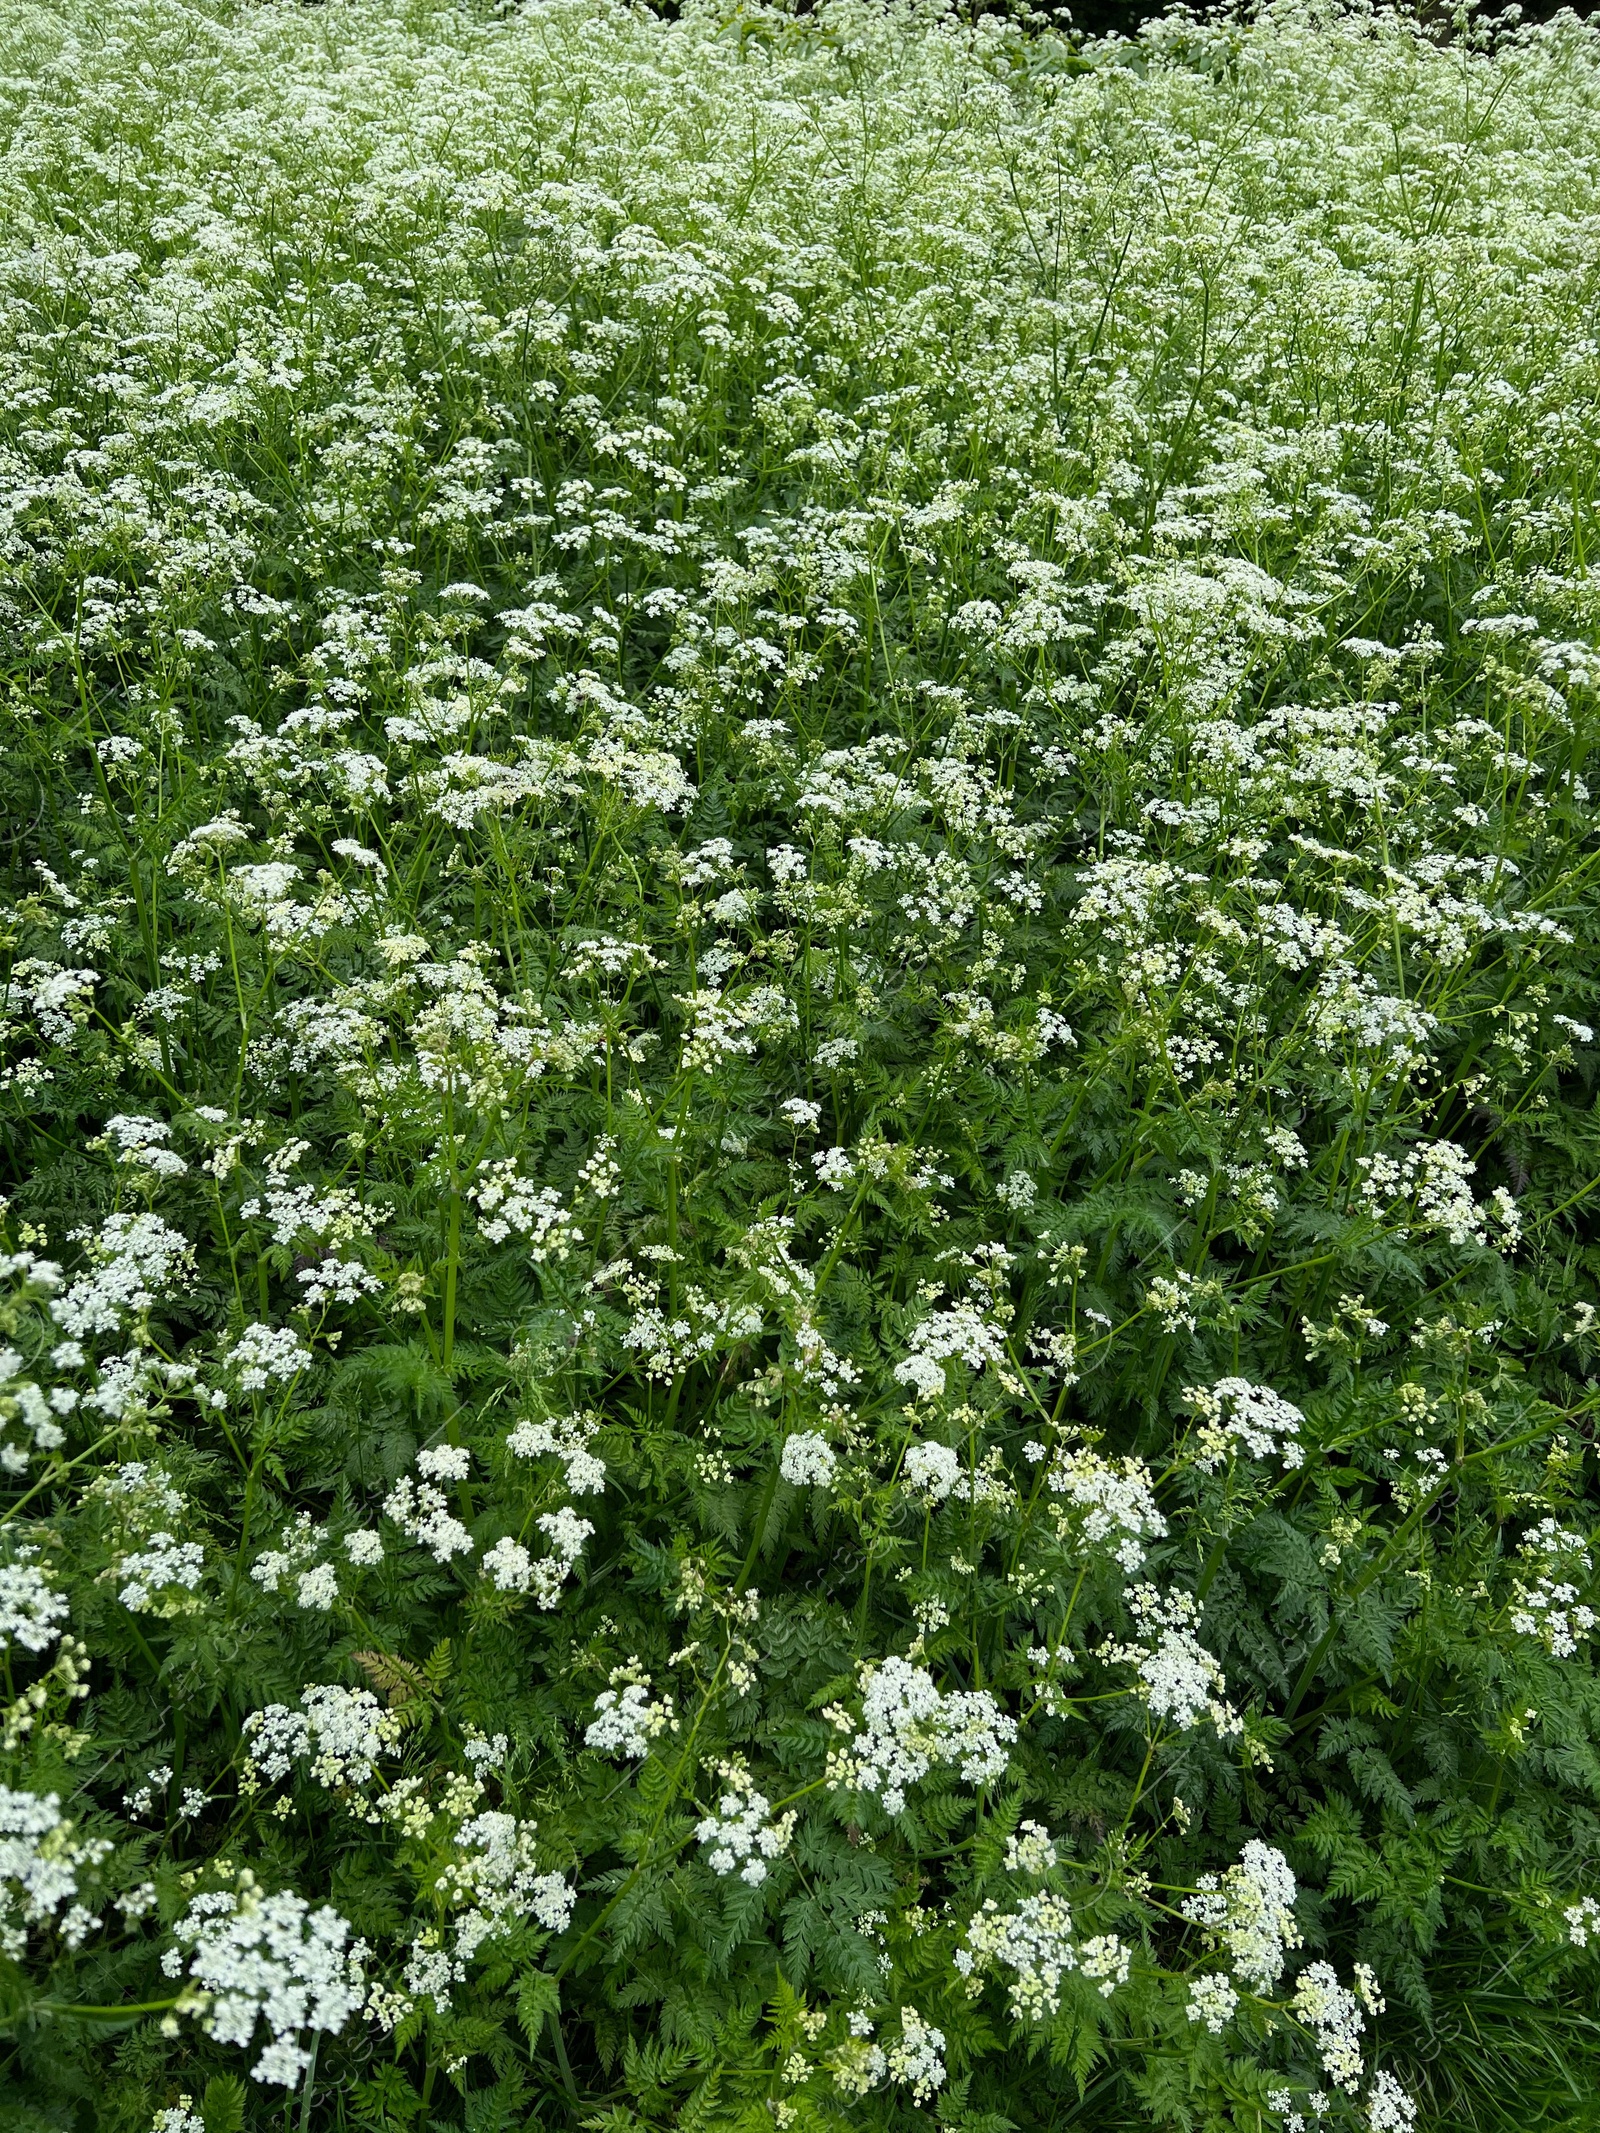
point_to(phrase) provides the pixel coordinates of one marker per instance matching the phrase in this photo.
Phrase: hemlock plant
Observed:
(799, 944)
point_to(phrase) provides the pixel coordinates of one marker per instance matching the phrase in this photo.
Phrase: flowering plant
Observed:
(797, 1310)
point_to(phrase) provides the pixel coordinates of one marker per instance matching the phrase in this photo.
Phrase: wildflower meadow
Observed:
(801, 941)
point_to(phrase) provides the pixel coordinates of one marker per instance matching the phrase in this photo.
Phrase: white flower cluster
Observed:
(59, 998)
(133, 1261)
(511, 1203)
(1249, 1910)
(1583, 1922)
(156, 1576)
(332, 1214)
(251, 1958)
(1389, 2108)
(1213, 2000)
(724, 1025)
(1036, 1944)
(510, 1568)
(742, 1835)
(31, 1609)
(421, 1510)
(629, 1721)
(669, 1345)
(1434, 1178)
(25, 1404)
(908, 1728)
(1236, 1412)
(334, 1280)
(914, 2060)
(1112, 1503)
(179, 2117)
(568, 1441)
(1107, 1960)
(266, 1355)
(494, 1879)
(142, 1143)
(1546, 1604)
(962, 1334)
(40, 1861)
(296, 1557)
(1030, 1850)
(933, 1470)
(341, 1732)
(139, 1495)
(1332, 2015)
(1177, 1676)
(808, 1460)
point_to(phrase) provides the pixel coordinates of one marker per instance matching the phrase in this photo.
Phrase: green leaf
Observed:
(222, 2109)
(538, 1996)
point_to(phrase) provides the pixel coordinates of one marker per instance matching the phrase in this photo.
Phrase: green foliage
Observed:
(799, 942)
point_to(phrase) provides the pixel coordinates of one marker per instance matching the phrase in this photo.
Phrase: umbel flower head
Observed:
(256, 1962)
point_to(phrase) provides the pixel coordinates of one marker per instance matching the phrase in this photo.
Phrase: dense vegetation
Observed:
(800, 936)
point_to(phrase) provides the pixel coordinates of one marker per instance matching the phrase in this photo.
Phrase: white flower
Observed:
(1332, 2015)
(423, 1515)
(934, 1469)
(512, 1203)
(508, 1566)
(512, 1569)
(1105, 1958)
(960, 1334)
(485, 1754)
(1389, 2108)
(444, 1462)
(1035, 1942)
(179, 2117)
(1434, 1178)
(494, 1880)
(1177, 1676)
(133, 1261)
(908, 1727)
(263, 1354)
(1212, 2000)
(430, 1972)
(166, 1565)
(31, 1609)
(1546, 1605)
(268, 1959)
(317, 1589)
(138, 1802)
(1113, 1502)
(628, 1722)
(1262, 1420)
(141, 1142)
(568, 1441)
(915, 2061)
(808, 1460)
(40, 1863)
(1031, 1850)
(297, 1546)
(1583, 1921)
(742, 1835)
(335, 1280)
(341, 1732)
(1249, 1910)
(834, 1166)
